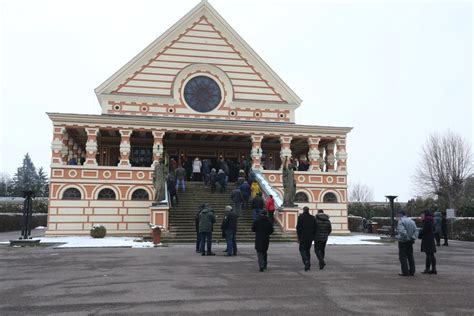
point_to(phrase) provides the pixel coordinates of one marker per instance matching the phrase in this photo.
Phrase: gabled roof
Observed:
(204, 17)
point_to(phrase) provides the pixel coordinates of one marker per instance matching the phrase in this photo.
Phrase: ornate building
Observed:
(197, 90)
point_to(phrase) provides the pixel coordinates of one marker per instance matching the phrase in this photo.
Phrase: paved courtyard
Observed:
(175, 280)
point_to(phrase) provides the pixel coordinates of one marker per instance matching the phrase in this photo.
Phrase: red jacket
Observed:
(270, 205)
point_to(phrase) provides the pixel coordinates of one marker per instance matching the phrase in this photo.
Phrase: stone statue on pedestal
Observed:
(289, 185)
(159, 181)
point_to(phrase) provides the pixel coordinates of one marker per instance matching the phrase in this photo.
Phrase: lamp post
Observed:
(392, 198)
(27, 210)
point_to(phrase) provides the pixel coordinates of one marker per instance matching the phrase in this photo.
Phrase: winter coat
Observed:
(258, 203)
(206, 221)
(245, 189)
(196, 220)
(255, 188)
(197, 166)
(270, 205)
(406, 230)
(444, 223)
(171, 187)
(306, 227)
(180, 173)
(427, 236)
(263, 228)
(236, 196)
(221, 177)
(229, 223)
(206, 169)
(323, 227)
(213, 178)
(438, 229)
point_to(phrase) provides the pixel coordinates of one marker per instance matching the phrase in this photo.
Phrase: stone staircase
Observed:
(181, 218)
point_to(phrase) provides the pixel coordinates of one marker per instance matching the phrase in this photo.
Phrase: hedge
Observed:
(460, 228)
(40, 205)
(14, 221)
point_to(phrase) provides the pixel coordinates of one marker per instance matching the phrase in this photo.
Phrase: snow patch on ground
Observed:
(89, 242)
(354, 240)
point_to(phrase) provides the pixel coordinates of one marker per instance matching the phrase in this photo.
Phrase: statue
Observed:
(289, 185)
(159, 181)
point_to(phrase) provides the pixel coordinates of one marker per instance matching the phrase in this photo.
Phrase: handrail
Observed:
(267, 188)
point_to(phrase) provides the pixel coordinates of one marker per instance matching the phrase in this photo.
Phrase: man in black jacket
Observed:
(323, 229)
(257, 205)
(196, 224)
(229, 227)
(306, 229)
(237, 199)
(263, 228)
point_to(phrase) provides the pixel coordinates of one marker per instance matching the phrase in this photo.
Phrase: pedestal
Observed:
(288, 217)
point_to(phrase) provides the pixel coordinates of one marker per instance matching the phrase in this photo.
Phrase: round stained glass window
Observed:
(202, 94)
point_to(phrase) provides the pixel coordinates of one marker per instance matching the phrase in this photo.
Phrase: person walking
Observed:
(206, 170)
(438, 228)
(206, 223)
(246, 193)
(257, 206)
(229, 228)
(221, 180)
(306, 229)
(237, 199)
(406, 236)
(270, 206)
(213, 180)
(444, 228)
(428, 245)
(323, 230)
(170, 183)
(197, 164)
(262, 229)
(255, 188)
(196, 224)
(180, 175)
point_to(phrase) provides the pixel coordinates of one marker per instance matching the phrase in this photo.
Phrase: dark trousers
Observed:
(320, 251)
(305, 251)
(262, 259)
(430, 262)
(445, 236)
(231, 244)
(245, 202)
(206, 237)
(405, 254)
(271, 216)
(438, 239)
(198, 241)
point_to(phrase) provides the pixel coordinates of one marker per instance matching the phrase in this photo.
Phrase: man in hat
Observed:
(229, 228)
(406, 236)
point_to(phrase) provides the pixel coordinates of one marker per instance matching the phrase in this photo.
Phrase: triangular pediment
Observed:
(201, 37)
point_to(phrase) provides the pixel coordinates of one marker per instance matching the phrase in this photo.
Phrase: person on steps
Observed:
(270, 206)
(306, 229)
(257, 206)
(229, 228)
(428, 245)
(237, 199)
(206, 223)
(213, 180)
(406, 236)
(323, 230)
(263, 229)
(221, 179)
(197, 164)
(180, 175)
(246, 193)
(255, 188)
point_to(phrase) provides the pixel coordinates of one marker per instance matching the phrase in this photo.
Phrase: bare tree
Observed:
(446, 163)
(360, 192)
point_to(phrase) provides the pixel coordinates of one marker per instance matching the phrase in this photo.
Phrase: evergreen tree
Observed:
(5, 184)
(26, 178)
(43, 183)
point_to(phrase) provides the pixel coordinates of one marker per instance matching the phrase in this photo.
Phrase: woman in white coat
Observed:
(197, 164)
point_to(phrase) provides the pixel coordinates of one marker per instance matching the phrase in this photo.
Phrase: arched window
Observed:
(140, 194)
(329, 198)
(301, 197)
(72, 194)
(106, 194)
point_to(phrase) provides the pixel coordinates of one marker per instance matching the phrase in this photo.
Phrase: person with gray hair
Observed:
(229, 229)
(406, 236)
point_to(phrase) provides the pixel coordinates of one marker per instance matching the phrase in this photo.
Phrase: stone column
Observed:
(321, 160)
(157, 146)
(57, 145)
(313, 154)
(125, 148)
(256, 152)
(341, 155)
(285, 151)
(91, 146)
(330, 155)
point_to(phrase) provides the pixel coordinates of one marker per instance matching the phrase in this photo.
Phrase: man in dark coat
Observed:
(196, 224)
(206, 223)
(406, 236)
(246, 193)
(306, 229)
(323, 229)
(444, 228)
(237, 199)
(257, 205)
(229, 227)
(263, 228)
(428, 245)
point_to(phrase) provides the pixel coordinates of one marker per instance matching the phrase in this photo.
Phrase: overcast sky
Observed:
(396, 71)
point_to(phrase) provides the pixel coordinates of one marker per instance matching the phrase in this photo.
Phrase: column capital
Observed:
(256, 138)
(157, 134)
(125, 132)
(313, 141)
(284, 139)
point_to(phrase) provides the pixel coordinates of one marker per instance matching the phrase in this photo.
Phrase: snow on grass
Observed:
(89, 242)
(354, 240)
